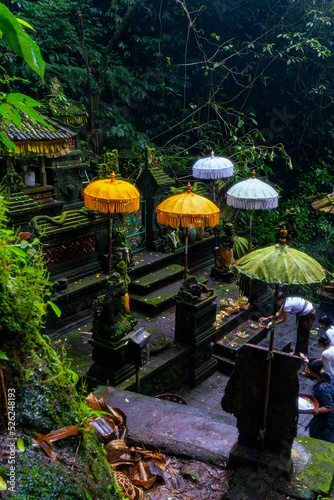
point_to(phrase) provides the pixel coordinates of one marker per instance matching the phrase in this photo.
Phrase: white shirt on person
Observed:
(327, 358)
(296, 305)
(330, 334)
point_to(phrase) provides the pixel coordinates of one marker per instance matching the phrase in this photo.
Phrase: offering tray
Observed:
(307, 403)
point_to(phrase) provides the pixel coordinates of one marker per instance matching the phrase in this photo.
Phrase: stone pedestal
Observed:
(193, 322)
(110, 367)
(225, 276)
(193, 327)
(274, 464)
(255, 290)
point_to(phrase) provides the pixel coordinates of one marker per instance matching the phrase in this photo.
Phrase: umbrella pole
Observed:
(186, 255)
(250, 229)
(110, 243)
(270, 355)
(216, 246)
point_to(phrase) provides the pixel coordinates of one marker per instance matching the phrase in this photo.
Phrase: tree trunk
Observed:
(95, 101)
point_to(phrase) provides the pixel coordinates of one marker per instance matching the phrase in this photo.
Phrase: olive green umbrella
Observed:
(282, 265)
(279, 265)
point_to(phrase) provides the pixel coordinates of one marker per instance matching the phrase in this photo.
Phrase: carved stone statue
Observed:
(289, 221)
(112, 317)
(226, 242)
(170, 240)
(121, 250)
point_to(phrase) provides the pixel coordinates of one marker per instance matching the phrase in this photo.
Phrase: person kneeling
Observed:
(322, 424)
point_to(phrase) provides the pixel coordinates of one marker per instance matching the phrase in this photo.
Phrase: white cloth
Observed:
(330, 333)
(327, 358)
(295, 305)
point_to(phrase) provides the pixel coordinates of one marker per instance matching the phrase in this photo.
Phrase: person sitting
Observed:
(322, 424)
(327, 357)
(305, 315)
(326, 324)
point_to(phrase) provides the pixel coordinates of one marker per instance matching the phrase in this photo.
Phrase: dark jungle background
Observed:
(252, 80)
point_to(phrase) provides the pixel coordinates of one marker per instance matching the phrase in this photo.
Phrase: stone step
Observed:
(156, 301)
(147, 262)
(224, 365)
(230, 343)
(156, 279)
(200, 254)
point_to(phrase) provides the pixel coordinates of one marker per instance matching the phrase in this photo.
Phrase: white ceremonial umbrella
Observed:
(213, 167)
(252, 194)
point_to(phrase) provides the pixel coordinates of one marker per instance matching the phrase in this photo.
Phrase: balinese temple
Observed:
(46, 168)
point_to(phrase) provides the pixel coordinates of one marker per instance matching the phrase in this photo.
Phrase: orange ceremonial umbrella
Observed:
(111, 196)
(188, 210)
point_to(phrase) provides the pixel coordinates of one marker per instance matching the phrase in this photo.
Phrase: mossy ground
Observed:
(318, 475)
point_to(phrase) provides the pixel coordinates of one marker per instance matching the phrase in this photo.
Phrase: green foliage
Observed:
(263, 226)
(23, 286)
(240, 247)
(13, 104)
(19, 42)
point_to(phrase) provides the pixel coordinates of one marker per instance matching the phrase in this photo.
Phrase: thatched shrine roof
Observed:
(63, 109)
(73, 114)
(35, 138)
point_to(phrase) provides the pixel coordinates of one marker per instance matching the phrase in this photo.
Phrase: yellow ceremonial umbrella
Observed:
(111, 196)
(188, 210)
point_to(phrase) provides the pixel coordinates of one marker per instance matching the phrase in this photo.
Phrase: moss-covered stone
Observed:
(46, 400)
(317, 476)
(78, 477)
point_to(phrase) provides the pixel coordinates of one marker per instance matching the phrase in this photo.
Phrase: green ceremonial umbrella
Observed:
(279, 265)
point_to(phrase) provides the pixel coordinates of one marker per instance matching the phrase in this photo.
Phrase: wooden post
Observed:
(110, 243)
(250, 229)
(270, 354)
(186, 255)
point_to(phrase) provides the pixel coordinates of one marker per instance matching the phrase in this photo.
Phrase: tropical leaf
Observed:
(17, 251)
(3, 485)
(24, 23)
(240, 247)
(54, 308)
(11, 114)
(7, 142)
(73, 376)
(26, 104)
(19, 42)
(20, 444)
(3, 355)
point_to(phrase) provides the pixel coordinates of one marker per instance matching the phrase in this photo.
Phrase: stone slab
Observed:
(173, 428)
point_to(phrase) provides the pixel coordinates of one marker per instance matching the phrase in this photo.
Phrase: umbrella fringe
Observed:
(261, 204)
(212, 173)
(211, 220)
(112, 206)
